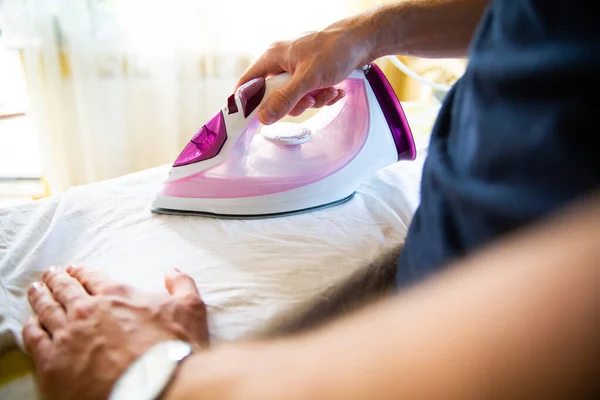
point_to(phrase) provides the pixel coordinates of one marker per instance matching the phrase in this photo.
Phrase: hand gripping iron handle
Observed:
(252, 94)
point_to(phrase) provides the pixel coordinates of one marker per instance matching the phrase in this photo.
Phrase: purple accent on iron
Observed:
(251, 94)
(393, 112)
(231, 106)
(206, 143)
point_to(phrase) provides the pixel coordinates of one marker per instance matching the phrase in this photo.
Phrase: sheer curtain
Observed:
(117, 86)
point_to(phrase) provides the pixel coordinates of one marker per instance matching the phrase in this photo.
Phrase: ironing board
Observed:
(250, 273)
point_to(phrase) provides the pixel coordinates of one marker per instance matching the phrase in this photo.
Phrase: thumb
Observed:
(180, 284)
(284, 99)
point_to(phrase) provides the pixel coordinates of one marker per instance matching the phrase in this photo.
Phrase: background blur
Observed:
(95, 89)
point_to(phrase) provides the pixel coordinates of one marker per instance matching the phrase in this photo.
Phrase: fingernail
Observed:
(341, 92)
(36, 286)
(177, 270)
(50, 270)
(333, 91)
(267, 114)
(71, 269)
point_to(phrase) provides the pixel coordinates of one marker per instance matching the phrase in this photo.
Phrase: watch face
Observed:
(147, 377)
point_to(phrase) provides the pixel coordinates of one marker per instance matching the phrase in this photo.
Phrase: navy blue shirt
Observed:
(517, 137)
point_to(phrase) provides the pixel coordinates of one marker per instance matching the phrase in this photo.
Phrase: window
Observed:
(20, 167)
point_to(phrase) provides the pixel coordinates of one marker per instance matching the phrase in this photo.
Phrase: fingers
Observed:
(304, 104)
(51, 314)
(180, 284)
(35, 338)
(283, 100)
(324, 97)
(97, 282)
(318, 99)
(340, 95)
(65, 289)
(263, 67)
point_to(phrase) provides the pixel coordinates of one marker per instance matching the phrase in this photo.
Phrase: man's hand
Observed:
(89, 328)
(317, 61)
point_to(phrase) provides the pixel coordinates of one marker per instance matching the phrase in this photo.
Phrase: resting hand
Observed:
(89, 328)
(317, 61)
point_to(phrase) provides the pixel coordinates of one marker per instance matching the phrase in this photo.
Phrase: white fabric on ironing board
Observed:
(249, 272)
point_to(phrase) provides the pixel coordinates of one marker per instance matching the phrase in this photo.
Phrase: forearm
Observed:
(519, 320)
(423, 28)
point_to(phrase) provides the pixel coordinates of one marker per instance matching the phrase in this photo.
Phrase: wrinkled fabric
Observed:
(248, 272)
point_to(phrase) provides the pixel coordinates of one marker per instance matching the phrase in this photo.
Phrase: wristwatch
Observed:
(150, 374)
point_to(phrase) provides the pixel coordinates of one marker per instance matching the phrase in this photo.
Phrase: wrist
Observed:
(356, 34)
(216, 373)
(368, 32)
(265, 370)
(149, 375)
(373, 31)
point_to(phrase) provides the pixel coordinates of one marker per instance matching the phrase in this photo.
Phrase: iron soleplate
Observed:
(183, 213)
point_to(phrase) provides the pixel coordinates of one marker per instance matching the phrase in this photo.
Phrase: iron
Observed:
(230, 169)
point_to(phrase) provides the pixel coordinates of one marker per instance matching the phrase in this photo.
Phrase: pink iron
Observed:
(228, 170)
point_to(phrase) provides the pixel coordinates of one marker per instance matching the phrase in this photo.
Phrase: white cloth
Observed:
(248, 272)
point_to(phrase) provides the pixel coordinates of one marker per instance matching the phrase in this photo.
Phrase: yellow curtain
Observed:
(406, 89)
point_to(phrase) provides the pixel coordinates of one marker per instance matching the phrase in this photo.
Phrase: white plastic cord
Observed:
(402, 67)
